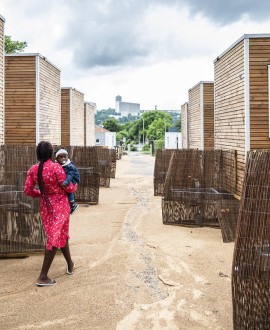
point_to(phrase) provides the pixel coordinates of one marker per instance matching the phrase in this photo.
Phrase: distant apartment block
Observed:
(126, 108)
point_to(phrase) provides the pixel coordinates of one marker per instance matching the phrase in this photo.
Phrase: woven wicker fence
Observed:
(21, 228)
(86, 161)
(104, 166)
(251, 262)
(196, 184)
(113, 162)
(162, 161)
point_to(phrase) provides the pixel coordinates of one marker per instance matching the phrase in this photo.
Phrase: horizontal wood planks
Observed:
(65, 117)
(208, 114)
(194, 117)
(20, 100)
(259, 59)
(230, 106)
(89, 124)
(2, 81)
(201, 106)
(184, 112)
(77, 118)
(49, 102)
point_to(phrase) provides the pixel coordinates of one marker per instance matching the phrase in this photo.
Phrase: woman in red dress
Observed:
(54, 207)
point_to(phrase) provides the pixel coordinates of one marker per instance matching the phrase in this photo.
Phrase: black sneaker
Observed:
(73, 208)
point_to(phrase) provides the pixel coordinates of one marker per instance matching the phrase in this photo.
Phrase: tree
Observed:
(156, 130)
(111, 125)
(14, 46)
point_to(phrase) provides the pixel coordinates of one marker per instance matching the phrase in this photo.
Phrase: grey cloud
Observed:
(109, 33)
(224, 12)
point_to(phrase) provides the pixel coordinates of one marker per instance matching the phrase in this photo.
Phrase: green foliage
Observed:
(159, 144)
(103, 114)
(146, 147)
(14, 46)
(127, 119)
(111, 125)
(135, 128)
(156, 129)
(121, 134)
(178, 124)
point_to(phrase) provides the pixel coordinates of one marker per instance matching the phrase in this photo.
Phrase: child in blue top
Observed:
(72, 175)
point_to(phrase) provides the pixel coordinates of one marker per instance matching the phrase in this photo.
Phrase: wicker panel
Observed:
(113, 162)
(86, 161)
(21, 228)
(162, 161)
(196, 182)
(227, 218)
(251, 262)
(104, 166)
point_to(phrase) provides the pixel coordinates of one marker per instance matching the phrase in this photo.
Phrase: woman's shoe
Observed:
(51, 283)
(68, 272)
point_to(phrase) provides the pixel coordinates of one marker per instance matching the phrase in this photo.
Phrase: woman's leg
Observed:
(48, 259)
(66, 253)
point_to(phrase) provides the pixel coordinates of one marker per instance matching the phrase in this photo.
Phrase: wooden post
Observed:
(235, 169)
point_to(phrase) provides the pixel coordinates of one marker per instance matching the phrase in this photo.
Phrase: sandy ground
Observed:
(132, 272)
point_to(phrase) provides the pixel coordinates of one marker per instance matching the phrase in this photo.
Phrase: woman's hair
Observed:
(44, 152)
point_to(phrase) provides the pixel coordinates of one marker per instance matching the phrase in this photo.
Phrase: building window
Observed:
(97, 140)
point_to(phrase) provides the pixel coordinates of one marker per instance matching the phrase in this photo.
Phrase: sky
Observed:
(148, 51)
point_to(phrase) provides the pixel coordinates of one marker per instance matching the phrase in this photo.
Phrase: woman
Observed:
(54, 207)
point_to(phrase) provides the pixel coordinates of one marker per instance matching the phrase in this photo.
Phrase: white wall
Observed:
(171, 140)
(106, 139)
(110, 139)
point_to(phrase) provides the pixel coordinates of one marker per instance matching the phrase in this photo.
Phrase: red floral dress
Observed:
(56, 223)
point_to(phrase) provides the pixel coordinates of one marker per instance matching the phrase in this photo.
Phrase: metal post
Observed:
(143, 130)
(129, 149)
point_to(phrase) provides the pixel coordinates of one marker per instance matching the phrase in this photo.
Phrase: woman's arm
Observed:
(30, 185)
(61, 177)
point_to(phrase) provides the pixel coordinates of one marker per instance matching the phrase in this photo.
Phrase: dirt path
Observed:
(132, 272)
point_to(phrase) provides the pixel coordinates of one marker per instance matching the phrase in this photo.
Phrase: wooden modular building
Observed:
(72, 117)
(89, 124)
(32, 100)
(201, 116)
(2, 78)
(184, 125)
(242, 76)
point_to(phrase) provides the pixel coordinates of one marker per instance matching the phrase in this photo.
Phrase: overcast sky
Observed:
(147, 51)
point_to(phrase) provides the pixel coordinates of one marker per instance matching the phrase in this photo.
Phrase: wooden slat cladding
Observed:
(194, 117)
(230, 106)
(49, 103)
(184, 113)
(89, 124)
(20, 100)
(77, 126)
(2, 81)
(208, 115)
(65, 117)
(201, 105)
(259, 59)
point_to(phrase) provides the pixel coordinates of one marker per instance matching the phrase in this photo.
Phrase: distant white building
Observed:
(105, 138)
(126, 108)
(173, 140)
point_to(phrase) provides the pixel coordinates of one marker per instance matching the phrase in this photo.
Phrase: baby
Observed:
(72, 175)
